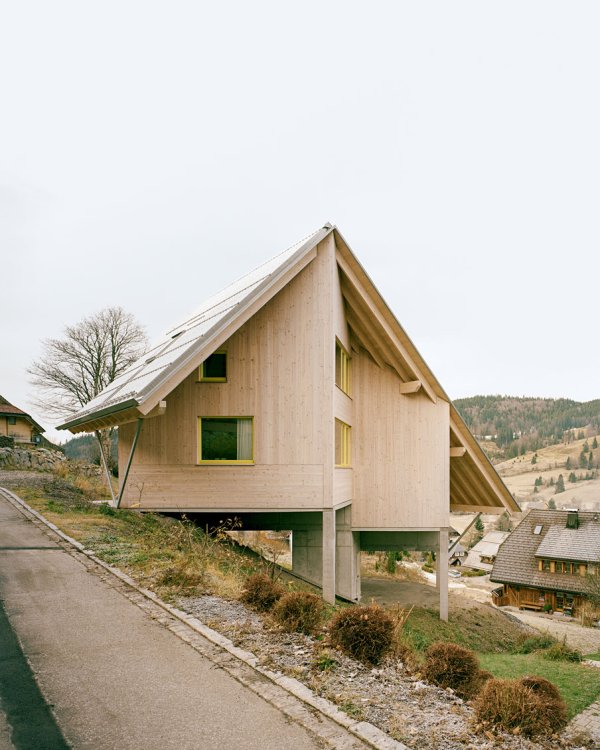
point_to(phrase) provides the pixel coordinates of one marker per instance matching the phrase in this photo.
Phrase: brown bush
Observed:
(449, 665)
(261, 592)
(365, 633)
(299, 612)
(541, 686)
(532, 706)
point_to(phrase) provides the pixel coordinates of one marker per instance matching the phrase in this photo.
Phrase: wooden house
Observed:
(293, 399)
(18, 425)
(483, 554)
(547, 561)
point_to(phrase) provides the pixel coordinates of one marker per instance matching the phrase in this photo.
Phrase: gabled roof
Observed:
(517, 558)
(486, 547)
(186, 345)
(8, 410)
(475, 485)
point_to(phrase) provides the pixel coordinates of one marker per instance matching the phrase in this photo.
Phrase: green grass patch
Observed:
(481, 628)
(579, 685)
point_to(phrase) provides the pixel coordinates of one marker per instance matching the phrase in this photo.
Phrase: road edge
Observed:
(362, 730)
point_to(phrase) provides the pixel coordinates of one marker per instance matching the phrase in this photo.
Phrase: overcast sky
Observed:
(152, 152)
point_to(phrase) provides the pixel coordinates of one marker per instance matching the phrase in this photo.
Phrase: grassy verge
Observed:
(479, 628)
(171, 557)
(579, 685)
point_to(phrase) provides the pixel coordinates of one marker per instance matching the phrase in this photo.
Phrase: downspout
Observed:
(138, 429)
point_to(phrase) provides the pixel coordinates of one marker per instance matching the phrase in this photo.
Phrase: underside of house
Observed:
(294, 400)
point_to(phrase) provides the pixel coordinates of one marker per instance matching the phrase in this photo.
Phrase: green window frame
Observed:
(226, 440)
(214, 368)
(342, 368)
(343, 446)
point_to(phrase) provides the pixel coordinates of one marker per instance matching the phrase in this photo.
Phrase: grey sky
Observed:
(152, 152)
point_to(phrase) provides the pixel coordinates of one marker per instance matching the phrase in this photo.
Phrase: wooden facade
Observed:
(525, 597)
(378, 444)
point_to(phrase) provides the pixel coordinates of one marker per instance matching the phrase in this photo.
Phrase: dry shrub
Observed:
(562, 652)
(261, 592)
(181, 576)
(449, 665)
(365, 633)
(299, 612)
(529, 706)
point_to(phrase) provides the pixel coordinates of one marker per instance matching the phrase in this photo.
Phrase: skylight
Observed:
(538, 529)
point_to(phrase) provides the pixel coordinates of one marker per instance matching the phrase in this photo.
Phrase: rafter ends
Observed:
(457, 451)
(412, 386)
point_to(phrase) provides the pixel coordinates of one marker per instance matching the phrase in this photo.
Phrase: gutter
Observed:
(99, 414)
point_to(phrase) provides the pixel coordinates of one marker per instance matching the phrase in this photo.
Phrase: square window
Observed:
(225, 440)
(214, 368)
(12, 420)
(342, 444)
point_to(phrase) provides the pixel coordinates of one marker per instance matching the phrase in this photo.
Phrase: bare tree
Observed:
(92, 353)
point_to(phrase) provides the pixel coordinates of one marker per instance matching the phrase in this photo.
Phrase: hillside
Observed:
(85, 448)
(533, 477)
(509, 426)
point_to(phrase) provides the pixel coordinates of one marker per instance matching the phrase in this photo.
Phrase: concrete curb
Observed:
(363, 730)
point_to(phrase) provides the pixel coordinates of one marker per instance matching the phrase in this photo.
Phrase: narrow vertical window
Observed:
(342, 368)
(342, 444)
(214, 368)
(225, 440)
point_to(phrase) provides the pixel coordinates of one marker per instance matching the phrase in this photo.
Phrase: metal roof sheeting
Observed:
(188, 336)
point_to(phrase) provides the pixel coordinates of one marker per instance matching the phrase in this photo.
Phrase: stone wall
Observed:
(41, 459)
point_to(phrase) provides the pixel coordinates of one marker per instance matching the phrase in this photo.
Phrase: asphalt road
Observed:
(113, 677)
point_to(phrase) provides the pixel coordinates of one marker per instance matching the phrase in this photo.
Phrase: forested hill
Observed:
(528, 423)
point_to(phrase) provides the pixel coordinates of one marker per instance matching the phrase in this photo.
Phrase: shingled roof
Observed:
(517, 558)
(9, 410)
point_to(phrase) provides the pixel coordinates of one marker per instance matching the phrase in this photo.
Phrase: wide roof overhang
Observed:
(475, 486)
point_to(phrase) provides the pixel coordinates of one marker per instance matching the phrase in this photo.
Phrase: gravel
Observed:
(399, 703)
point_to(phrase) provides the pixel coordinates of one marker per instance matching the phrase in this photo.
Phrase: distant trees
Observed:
(77, 367)
(595, 443)
(560, 485)
(568, 464)
(527, 424)
(551, 504)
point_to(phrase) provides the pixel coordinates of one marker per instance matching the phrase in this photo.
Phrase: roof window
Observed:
(538, 529)
(572, 518)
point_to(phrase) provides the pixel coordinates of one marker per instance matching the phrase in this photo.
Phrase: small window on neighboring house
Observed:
(342, 444)
(12, 420)
(228, 440)
(214, 368)
(342, 368)
(538, 529)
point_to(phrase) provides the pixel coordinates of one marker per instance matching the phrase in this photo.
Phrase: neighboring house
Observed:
(482, 555)
(546, 560)
(294, 400)
(18, 425)
(457, 555)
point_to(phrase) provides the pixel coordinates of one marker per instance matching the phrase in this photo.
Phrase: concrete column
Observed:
(441, 579)
(307, 553)
(329, 555)
(347, 561)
